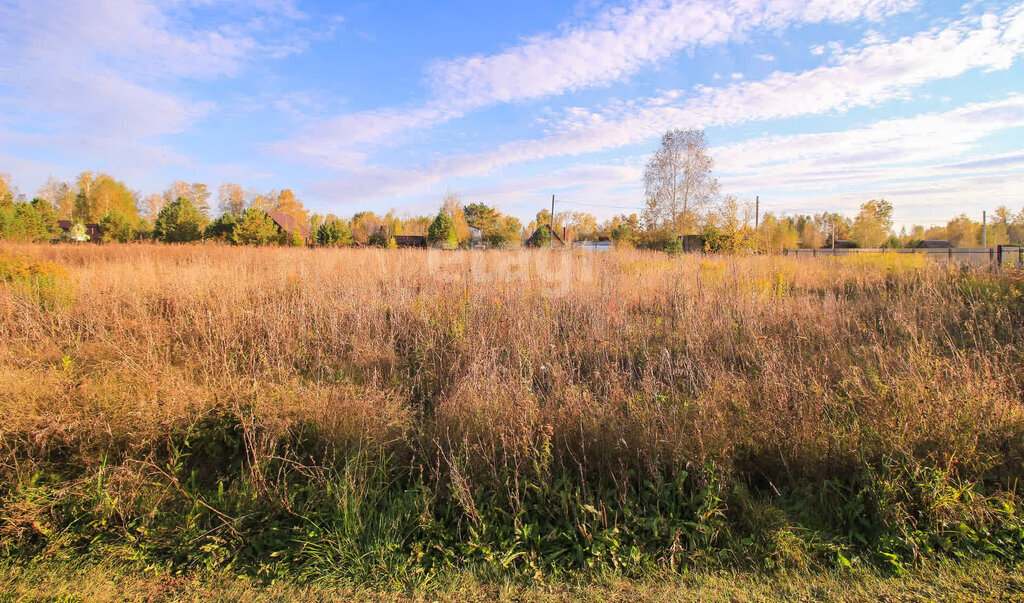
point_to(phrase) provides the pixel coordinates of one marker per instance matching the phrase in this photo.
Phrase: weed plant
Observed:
(397, 416)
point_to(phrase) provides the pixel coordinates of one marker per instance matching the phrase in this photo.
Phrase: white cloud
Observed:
(764, 57)
(913, 162)
(107, 75)
(608, 48)
(619, 42)
(890, 142)
(884, 152)
(865, 76)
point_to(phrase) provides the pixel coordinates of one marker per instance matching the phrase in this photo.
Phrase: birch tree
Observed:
(678, 180)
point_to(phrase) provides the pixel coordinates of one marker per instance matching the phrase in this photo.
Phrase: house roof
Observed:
(92, 229)
(410, 240)
(933, 244)
(287, 222)
(554, 235)
(593, 245)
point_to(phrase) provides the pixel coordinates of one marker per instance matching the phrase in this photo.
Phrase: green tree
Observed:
(179, 222)
(482, 216)
(333, 233)
(379, 238)
(47, 219)
(27, 221)
(197, 192)
(506, 233)
(542, 236)
(674, 246)
(442, 231)
(223, 228)
(873, 225)
(256, 228)
(115, 226)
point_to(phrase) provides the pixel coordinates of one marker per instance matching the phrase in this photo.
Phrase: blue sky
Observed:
(811, 104)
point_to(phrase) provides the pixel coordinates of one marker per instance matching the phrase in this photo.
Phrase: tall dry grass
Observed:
(754, 393)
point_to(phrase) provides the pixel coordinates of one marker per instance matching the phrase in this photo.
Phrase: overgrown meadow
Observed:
(389, 417)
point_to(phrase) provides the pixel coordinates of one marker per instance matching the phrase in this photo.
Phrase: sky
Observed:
(811, 105)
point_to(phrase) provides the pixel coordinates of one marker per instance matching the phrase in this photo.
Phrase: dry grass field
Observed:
(388, 418)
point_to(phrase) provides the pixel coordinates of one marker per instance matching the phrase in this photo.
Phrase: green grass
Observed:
(66, 582)
(303, 419)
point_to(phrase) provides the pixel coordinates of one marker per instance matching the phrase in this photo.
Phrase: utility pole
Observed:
(551, 239)
(757, 211)
(984, 229)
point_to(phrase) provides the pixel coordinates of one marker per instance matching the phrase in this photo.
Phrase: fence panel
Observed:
(979, 257)
(1010, 256)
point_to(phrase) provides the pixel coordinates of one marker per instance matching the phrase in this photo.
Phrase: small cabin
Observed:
(604, 245)
(286, 223)
(932, 244)
(92, 231)
(841, 244)
(692, 242)
(535, 238)
(410, 241)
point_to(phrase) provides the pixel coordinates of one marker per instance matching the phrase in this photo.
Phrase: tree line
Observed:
(682, 197)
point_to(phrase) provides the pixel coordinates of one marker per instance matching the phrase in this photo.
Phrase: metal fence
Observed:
(1007, 256)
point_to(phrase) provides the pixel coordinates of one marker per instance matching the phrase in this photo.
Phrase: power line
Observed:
(601, 205)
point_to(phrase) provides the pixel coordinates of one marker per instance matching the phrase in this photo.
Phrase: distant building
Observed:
(476, 237)
(287, 223)
(841, 244)
(692, 242)
(535, 238)
(92, 231)
(593, 245)
(410, 241)
(932, 244)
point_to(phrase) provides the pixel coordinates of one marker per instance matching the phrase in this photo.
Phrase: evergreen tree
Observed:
(28, 222)
(179, 222)
(333, 233)
(223, 228)
(442, 231)
(256, 228)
